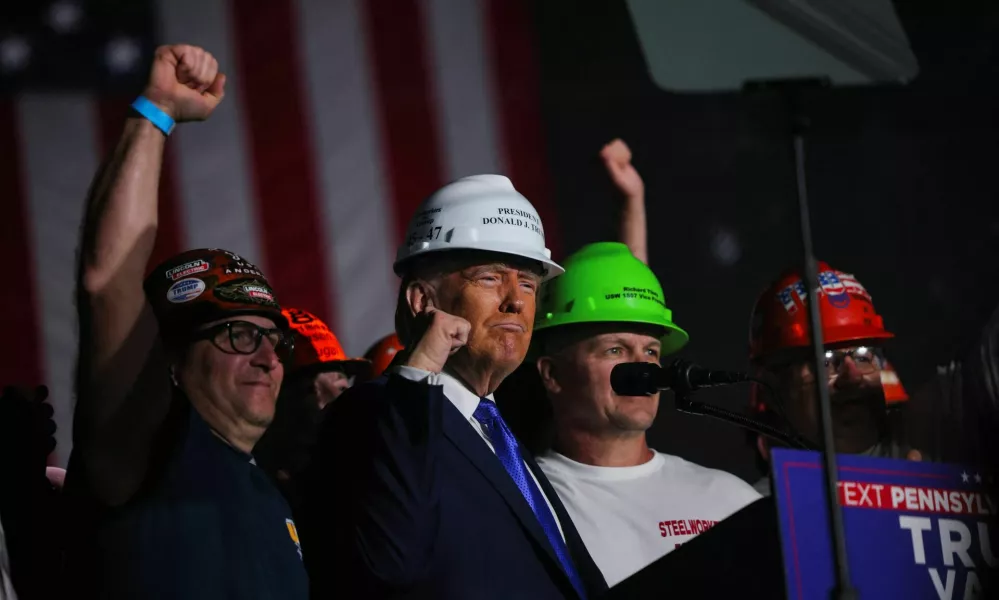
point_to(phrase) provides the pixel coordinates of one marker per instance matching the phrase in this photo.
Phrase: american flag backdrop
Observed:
(340, 116)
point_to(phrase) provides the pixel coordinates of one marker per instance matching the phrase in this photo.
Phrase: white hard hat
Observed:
(481, 212)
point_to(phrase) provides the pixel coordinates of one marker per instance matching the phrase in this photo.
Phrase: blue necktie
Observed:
(508, 452)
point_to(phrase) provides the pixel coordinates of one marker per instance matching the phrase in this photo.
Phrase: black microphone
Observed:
(683, 377)
(645, 379)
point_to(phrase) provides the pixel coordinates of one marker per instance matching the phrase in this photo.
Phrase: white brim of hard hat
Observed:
(406, 254)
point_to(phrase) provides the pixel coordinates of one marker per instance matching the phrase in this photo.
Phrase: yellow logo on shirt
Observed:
(293, 532)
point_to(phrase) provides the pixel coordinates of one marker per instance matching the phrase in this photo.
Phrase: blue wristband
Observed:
(157, 117)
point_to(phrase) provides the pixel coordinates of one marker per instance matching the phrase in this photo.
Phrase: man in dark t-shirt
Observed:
(211, 525)
(177, 380)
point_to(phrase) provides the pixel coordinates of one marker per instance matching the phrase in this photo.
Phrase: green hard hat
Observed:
(605, 283)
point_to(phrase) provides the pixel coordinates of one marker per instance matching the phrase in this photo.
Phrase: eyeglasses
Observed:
(244, 337)
(867, 359)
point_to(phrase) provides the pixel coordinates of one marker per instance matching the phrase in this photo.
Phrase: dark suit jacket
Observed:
(403, 499)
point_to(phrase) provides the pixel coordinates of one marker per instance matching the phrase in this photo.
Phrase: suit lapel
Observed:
(465, 438)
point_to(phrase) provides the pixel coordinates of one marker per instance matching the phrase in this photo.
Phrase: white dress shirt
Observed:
(466, 401)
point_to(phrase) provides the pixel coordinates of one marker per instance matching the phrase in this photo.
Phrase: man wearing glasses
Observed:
(780, 351)
(177, 380)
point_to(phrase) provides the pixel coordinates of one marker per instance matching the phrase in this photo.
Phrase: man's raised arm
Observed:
(123, 389)
(632, 230)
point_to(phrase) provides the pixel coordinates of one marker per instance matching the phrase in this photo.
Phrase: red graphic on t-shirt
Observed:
(684, 527)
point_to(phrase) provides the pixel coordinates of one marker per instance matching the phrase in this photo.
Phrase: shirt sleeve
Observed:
(414, 374)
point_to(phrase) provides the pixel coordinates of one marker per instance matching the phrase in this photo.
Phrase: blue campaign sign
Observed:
(913, 530)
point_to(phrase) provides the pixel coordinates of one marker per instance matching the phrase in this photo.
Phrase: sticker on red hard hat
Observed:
(852, 285)
(787, 300)
(835, 285)
(834, 289)
(185, 290)
(246, 292)
(258, 292)
(187, 269)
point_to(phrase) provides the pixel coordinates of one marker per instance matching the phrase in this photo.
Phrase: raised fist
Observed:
(617, 158)
(185, 82)
(442, 336)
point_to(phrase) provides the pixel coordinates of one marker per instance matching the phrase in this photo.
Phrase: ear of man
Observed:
(413, 292)
(548, 372)
(421, 296)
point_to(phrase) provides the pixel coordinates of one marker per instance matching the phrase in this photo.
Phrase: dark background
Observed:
(902, 182)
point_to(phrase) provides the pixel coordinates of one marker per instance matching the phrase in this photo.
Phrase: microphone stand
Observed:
(791, 92)
(683, 403)
(844, 588)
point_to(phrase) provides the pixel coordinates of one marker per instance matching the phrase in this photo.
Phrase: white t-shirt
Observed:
(630, 516)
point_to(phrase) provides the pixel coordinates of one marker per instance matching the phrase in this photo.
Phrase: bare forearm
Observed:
(633, 228)
(121, 212)
(118, 237)
(115, 338)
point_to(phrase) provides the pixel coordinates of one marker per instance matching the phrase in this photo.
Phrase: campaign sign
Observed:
(913, 529)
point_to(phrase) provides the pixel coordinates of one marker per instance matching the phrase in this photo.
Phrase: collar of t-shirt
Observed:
(242, 455)
(584, 471)
(466, 401)
(198, 425)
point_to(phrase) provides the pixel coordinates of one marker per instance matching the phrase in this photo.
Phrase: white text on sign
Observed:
(912, 498)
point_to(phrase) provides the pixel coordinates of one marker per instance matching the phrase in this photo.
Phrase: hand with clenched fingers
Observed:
(442, 335)
(185, 82)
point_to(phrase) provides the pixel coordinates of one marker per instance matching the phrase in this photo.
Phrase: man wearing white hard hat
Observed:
(417, 488)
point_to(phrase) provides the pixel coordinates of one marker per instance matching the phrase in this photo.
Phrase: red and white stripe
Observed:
(340, 117)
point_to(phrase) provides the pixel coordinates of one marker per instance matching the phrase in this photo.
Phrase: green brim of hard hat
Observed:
(673, 338)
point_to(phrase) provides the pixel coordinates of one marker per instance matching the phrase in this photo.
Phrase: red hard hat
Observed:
(780, 317)
(203, 285)
(382, 353)
(316, 347)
